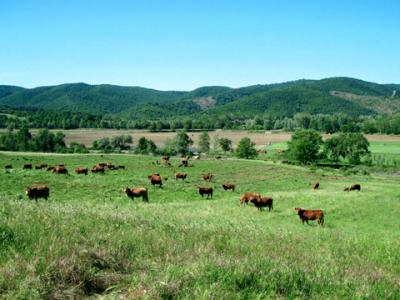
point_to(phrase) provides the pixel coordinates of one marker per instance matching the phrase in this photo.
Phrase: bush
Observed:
(305, 146)
(246, 149)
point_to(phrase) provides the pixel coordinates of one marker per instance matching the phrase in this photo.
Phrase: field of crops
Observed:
(89, 238)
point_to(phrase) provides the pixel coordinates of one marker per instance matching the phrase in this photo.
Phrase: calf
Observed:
(249, 196)
(79, 170)
(263, 202)
(137, 192)
(27, 167)
(155, 179)
(207, 177)
(307, 215)
(38, 192)
(180, 176)
(228, 186)
(206, 191)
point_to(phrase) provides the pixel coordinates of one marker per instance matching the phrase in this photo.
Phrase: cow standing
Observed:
(137, 192)
(206, 191)
(310, 215)
(228, 186)
(249, 196)
(155, 179)
(38, 192)
(263, 202)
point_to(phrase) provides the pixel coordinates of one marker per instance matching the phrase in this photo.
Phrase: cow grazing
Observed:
(155, 179)
(207, 177)
(310, 215)
(38, 192)
(60, 170)
(136, 193)
(263, 202)
(7, 167)
(355, 187)
(79, 170)
(27, 167)
(180, 176)
(98, 169)
(184, 163)
(228, 186)
(249, 196)
(206, 191)
(316, 185)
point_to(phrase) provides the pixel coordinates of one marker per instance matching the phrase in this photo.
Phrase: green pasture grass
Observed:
(90, 239)
(385, 147)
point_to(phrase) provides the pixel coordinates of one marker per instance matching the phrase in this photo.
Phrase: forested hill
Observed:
(332, 95)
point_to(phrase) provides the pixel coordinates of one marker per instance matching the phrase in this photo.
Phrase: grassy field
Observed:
(90, 239)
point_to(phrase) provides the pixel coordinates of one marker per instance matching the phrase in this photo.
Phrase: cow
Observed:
(155, 179)
(316, 185)
(355, 187)
(263, 202)
(180, 176)
(310, 215)
(79, 170)
(228, 186)
(184, 163)
(7, 167)
(121, 167)
(165, 158)
(206, 191)
(248, 196)
(60, 170)
(98, 169)
(137, 192)
(43, 166)
(207, 177)
(110, 166)
(103, 165)
(38, 167)
(218, 157)
(38, 192)
(27, 167)
(50, 168)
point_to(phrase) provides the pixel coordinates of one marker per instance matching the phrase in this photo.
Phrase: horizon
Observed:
(179, 46)
(204, 86)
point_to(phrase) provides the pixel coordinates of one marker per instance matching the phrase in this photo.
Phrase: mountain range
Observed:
(332, 95)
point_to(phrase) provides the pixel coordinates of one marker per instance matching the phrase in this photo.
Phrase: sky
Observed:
(182, 45)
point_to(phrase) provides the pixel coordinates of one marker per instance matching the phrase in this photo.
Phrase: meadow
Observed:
(90, 239)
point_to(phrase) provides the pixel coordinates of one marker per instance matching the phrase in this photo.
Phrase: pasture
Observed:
(89, 238)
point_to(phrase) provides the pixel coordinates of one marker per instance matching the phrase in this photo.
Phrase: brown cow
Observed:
(79, 170)
(98, 169)
(184, 163)
(37, 192)
(307, 215)
(60, 170)
(27, 167)
(228, 186)
(50, 168)
(207, 177)
(355, 187)
(263, 202)
(206, 191)
(180, 176)
(102, 165)
(316, 185)
(137, 192)
(248, 196)
(155, 179)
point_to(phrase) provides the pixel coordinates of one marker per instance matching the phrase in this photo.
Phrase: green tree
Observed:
(246, 149)
(204, 142)
(225, 144)
(305, 146)
(182, 143)
(351, 146)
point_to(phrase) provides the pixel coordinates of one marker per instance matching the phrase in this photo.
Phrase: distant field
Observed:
(90, 239)
(87, 136)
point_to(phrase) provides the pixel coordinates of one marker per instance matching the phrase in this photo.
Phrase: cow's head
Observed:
(298, 210)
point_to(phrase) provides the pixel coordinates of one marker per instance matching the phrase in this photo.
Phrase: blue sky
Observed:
(181, 45)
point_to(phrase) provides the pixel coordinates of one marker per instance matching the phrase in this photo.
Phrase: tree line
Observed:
(383, 124)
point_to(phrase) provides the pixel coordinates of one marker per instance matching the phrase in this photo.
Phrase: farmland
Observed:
(90, 239)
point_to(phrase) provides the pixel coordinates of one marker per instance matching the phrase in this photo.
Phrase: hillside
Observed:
(326, 96)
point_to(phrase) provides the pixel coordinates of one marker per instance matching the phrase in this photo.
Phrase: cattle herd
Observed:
(43, 191)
